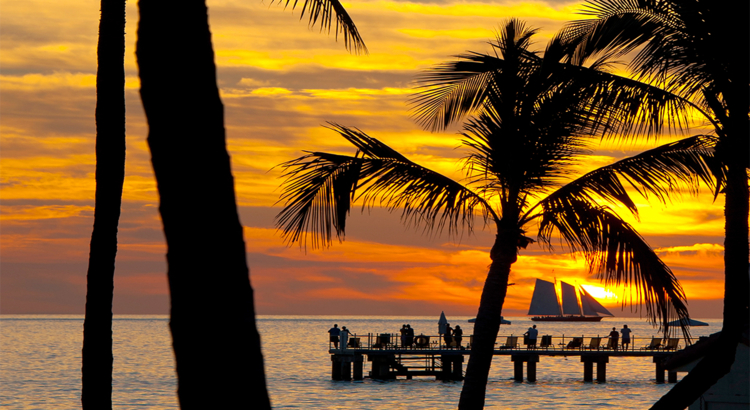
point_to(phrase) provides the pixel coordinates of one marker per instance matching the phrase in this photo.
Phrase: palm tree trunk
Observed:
(96, 355)
(215, 339)
(718, 362)
(487, 325)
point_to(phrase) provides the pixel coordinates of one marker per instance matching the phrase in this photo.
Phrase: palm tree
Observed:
(687, 47)
(216, 343)
(96, 355)
(536, 120)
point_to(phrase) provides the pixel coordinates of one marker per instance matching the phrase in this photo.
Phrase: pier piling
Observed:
(588, 370)
(518, 360)
(358, 367)
(588, 367)
(659, 369)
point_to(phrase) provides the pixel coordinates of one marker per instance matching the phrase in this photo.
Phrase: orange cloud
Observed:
(277, 90)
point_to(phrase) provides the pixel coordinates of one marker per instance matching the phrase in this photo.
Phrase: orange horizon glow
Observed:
(277, 90)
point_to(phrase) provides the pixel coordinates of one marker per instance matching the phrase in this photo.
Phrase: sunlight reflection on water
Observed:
(41, 358)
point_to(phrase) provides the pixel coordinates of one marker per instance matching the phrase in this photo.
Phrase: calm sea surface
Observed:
(40, 360)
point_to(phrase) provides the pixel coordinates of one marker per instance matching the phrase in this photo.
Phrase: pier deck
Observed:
(432, 357)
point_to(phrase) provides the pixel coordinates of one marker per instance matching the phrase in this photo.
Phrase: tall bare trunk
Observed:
(487, 325)
(97, 358)
(215, 339)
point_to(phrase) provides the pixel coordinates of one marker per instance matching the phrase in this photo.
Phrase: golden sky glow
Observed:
(280, 82)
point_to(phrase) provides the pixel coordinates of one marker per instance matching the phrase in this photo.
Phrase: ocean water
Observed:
(40, 361)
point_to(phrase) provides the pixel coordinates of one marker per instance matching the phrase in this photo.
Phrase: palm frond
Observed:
(330, 14)
(616, 253)
(674, 42)
(448, 92)
(319, 188)
(318, 193)
(531, 156)
(661, 171)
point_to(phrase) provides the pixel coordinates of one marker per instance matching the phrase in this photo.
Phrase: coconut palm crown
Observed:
(692, 48)
(535, 119)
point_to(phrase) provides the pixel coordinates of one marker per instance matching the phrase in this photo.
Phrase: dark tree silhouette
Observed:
(215, 338)
(97, 355)
(453, 90)
(537, 117)
(693, 49)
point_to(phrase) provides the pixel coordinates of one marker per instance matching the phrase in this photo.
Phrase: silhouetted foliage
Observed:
(97, 358)
(693, 49)
(535, 117)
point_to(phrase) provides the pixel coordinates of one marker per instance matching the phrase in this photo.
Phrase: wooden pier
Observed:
(391, 360)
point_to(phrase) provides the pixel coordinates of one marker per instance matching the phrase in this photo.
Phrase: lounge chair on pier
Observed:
(594, 343)
(511, 342)
(610, 344)
(576, 343)
(671, 344)
(383, 341)
(655, 344)
(546, 342)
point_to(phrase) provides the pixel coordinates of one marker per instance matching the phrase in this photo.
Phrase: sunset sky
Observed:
(280, 82)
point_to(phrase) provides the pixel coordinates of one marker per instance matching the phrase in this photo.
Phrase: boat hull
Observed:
(567, 318)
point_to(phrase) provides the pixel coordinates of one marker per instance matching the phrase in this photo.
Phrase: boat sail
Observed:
(545, 306)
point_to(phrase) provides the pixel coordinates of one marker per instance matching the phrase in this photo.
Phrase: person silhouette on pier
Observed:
(409, 336)
(625, 336)
(403, 331)
(615, 337)
(344, 337)
(334, 332)
(458, 336)
(448, 336)
(531, 336)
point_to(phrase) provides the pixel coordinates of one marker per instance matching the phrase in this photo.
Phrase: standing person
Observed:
(448, 336)
(409, 336)
(614, 336)
(458, 336)
(334, 332)
(403, 331)
(625, 336)
(531, 335)
(344, 337)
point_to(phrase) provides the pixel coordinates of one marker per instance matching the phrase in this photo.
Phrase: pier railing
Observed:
(394, 341)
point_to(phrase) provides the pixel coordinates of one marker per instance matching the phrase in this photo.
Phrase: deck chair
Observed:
(655, 344)
(354, 343)
(594, 343)
(510, 342)
(610, 344)
(671, 344)
(382, 341)
(575, 343)
(546, 342)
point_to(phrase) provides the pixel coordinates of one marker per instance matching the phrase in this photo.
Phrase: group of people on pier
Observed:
(407, 336)
(453, 337)
(336, 334)
(625, 337)
(531, 335)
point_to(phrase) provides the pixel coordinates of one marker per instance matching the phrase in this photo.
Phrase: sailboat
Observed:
(545, 307)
